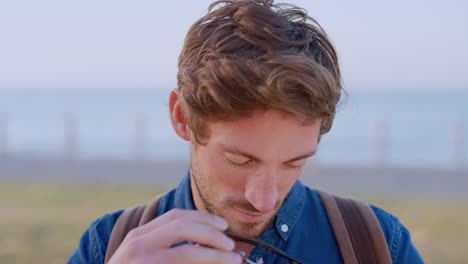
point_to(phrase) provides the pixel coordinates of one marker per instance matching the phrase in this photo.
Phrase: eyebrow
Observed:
(235, 150)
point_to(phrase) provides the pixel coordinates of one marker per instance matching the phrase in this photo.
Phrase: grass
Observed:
(439, 227)
(42, 223)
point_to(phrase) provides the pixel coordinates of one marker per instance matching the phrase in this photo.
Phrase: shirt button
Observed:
(285, 228)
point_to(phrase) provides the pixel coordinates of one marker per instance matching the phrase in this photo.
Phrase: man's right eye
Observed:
(237, 160)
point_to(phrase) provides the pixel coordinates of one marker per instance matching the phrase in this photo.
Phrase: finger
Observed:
(179, 231)
(175, 214)
(186, 215)
(197, 255)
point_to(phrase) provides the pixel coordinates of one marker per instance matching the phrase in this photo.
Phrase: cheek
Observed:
(220, 173)
(287, 180)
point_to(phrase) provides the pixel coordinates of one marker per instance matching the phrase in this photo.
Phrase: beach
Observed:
(337, 178)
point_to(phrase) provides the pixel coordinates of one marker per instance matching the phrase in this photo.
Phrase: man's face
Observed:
(248, 167)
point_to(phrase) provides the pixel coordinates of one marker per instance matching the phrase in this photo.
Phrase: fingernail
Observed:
(229, 243)
(236, 258)
(221, 222)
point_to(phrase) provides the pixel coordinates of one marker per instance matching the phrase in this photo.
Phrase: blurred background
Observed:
(84, 126)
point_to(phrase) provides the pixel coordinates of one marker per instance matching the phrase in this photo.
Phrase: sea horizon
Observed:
(416, 128)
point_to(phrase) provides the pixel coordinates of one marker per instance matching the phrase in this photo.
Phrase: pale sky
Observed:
(95, 44)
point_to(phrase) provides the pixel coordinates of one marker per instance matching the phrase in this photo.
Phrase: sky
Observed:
(96, 44)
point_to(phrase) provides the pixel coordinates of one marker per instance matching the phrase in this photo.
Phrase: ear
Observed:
(179, 123)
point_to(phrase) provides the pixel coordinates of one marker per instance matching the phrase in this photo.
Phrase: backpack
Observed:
(355, 226)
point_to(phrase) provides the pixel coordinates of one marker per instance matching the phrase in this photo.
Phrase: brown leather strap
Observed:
(128, 220)
(357, 230)
(375, 231)
(339, 228)
(150, 211)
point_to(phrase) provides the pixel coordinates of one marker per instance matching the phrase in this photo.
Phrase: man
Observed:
(258, 85)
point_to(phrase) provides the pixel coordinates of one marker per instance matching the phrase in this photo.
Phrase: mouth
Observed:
(250, 217)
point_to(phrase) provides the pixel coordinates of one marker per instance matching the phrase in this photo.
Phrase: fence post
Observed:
(70, 137)
(459, 145)
(3, 135)
(380, 143)
(140, 139)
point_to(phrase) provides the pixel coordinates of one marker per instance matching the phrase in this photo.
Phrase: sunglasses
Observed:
(260, 244)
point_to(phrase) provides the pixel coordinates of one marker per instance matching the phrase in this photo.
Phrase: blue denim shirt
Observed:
(308, 238)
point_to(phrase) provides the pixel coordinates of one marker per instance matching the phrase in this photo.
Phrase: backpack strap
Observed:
(357, 230)
(130, 218)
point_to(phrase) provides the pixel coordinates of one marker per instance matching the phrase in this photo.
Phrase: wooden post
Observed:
(140, 139)
(459, 145)
(380, 143)
(3, 135)
(70, 137)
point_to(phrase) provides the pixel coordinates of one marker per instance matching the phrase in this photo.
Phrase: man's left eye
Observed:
(237, 160)
(296, 164)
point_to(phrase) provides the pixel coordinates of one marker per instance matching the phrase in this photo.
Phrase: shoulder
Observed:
(93, 243)
(396, 234)
(166, 203)
(398, 237)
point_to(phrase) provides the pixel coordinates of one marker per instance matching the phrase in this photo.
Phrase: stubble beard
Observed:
(254, 230)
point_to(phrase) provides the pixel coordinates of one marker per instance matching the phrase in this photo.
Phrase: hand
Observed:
(151, 243)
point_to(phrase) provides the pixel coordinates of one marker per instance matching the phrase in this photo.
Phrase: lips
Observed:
(249, 216)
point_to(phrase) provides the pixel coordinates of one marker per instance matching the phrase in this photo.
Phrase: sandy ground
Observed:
(372, 180)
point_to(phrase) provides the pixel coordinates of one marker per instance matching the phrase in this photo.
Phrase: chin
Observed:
(252, 226)
(254, 230)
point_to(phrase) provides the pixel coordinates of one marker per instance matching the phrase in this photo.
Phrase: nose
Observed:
(262, 190)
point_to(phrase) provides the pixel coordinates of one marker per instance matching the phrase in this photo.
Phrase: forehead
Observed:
(268, 131)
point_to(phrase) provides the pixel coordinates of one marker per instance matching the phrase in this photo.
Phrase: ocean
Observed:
(403, 128)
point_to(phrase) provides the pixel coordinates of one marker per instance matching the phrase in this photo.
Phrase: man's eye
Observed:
(297, 164)
(294, 167)
(237, 159)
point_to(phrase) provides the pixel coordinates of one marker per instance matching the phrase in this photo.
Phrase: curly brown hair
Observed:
(247, 56)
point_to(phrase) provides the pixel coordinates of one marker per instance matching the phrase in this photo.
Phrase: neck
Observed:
(196, 196)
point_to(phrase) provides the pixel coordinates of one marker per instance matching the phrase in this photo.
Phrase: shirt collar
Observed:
(290, 211)
(183, 194)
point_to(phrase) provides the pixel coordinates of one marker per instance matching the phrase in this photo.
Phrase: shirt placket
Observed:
(270, 237)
